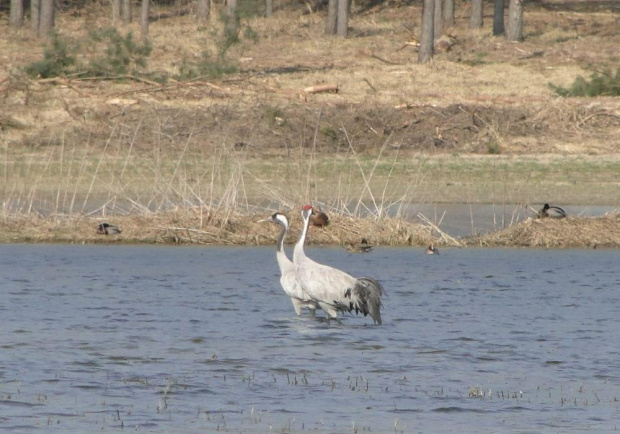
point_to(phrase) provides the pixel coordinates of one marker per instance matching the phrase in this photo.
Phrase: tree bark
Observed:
(204, 10)
(144, 19)
(46, 18)
(426, 38)
(231, 27)
(448, 13)
(116, 11)
(268, 8)
(126, 6)
(438, 20)
(35, 16)
(498, 17)
(343, 18)
(514, 31)
(475, 19)
(332, 17)
(17, 13)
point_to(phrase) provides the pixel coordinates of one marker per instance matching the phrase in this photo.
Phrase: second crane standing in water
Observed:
(334, 290)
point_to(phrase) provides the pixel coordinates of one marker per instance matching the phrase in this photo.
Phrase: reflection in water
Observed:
(184, 340)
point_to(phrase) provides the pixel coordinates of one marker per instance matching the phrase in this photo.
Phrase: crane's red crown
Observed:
(307, 207)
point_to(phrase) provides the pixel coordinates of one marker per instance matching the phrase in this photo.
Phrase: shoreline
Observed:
(190, 228)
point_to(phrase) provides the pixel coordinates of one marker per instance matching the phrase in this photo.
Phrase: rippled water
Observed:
(169, 339)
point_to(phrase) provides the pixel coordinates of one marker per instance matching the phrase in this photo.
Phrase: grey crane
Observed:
(287, 271)
(335, 291)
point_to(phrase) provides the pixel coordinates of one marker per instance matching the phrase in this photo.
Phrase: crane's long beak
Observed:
(263, 220)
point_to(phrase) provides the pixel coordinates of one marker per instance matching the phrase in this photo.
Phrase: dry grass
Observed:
(195, 226)
(552, 233)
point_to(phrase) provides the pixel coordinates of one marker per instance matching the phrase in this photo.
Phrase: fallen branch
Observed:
(384, 61)
(322, 88)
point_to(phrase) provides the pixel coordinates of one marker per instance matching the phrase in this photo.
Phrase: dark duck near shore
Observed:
(108, 229)
(554, 212)
(362, 247)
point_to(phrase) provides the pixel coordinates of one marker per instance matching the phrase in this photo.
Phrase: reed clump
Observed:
(207, 227)
(576, 232)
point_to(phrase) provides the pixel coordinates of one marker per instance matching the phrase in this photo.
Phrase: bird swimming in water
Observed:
(287, 270)
(108, 229)
(432, 250)
(319, 218)
(334, 290)
(554, 212)
(362, 247)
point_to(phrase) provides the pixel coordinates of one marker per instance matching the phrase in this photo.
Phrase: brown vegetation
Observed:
(194, 227)
(556, 233)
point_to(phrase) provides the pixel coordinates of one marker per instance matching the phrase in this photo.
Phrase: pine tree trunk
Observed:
(426, 38)
(231, 28)
(438, 20)
(268, 8)
(126, 11)
(343, 18)
(332, 17)
(144, 19)
(475, 19)
(448, 13)
(46, 20)
(17, 13)
(204, 10)
(498, 17)
(35, 16)
(514, 31)
(116, 11)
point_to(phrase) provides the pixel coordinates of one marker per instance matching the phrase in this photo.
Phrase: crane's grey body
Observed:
(334, 290)
(298, 296)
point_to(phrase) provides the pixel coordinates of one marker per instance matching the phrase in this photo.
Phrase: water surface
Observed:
(191, 339)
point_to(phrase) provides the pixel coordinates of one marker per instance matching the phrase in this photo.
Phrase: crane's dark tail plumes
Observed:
(367, 293)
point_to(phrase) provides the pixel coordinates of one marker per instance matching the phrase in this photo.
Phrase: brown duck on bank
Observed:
(554, 212)
(107, 229)
(319, 218)
(362, 247)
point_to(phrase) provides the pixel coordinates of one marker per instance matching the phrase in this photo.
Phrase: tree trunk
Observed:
(426, 38)
(116, 11)
(475, 20)
(17, 13)
(514, 31)
(343, 18)
(126, 11)
(35, 16)
(46, 18)
(268, 8)
(438, 20)
(332, 17)
(498, 17)
(204, 10)
(144, 19)
(448, 13)
(231, 28)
